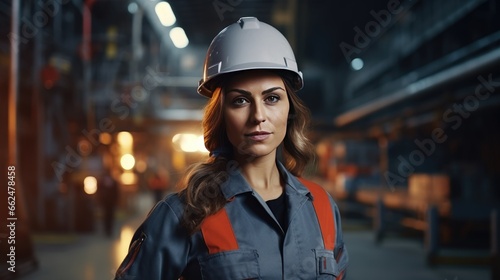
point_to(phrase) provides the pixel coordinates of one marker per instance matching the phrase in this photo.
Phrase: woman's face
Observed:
(256, 112)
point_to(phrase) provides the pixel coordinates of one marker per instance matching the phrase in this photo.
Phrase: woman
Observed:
(243, 214)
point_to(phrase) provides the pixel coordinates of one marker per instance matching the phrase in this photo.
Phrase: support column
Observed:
(432, 235)
(11, 193)
(495, 245)
(380, 223)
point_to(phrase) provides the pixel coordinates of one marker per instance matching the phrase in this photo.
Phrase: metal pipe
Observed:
(87, 64)
(137, 50)
(426, 84)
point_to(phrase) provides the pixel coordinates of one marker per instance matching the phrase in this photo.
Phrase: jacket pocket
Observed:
(342, 257)
(131, 256)
(237, 264)
(326, 266)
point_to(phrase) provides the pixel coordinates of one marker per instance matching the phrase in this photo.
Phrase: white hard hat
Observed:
(245, 45)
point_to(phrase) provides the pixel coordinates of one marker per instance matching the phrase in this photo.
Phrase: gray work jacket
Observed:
(162, 249)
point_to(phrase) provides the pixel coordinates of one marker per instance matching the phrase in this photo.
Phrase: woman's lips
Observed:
(258, 136)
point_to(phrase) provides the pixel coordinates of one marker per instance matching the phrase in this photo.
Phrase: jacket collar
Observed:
(237, 184)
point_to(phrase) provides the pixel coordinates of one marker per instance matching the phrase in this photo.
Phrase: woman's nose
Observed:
(259, 115)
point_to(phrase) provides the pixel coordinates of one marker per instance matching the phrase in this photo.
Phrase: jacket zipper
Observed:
(136, 246)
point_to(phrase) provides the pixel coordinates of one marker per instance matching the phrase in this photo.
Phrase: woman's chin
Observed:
(256, 153)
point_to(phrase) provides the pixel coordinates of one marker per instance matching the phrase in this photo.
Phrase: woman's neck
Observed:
(263, 176)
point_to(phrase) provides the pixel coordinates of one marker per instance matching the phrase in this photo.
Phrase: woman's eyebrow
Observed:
(244, 92)
(272, 89)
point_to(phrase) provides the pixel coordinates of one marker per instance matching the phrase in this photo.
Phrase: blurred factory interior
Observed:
(404, 97)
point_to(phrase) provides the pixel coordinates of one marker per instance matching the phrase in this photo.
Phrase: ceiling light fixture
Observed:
(179, 37)
(165, 13)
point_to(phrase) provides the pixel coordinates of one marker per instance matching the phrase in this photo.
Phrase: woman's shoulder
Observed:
(175, 202)
(171, 204)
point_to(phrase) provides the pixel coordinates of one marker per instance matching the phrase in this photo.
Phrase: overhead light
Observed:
(189, 143)
(125, 139)
(128, 178)
(132, 7)
(165, 13)
(105, 138)
(357, 64)
(179, 37)
(90, 185)
(127, 161)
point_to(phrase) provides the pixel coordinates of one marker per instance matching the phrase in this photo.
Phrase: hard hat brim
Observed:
(206, 88)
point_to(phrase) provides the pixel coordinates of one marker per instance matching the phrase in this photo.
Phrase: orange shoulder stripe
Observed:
(218, 233)
(323, 209)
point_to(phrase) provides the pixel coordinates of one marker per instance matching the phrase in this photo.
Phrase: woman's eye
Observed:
(273, 99)
(240, 101)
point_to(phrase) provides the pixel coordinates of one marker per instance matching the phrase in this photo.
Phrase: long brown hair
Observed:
(201, 183)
